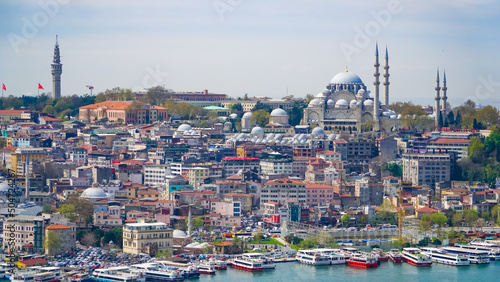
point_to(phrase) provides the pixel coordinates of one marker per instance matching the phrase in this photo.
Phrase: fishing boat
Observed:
(414, 257)
(365, 260)
(395, 256)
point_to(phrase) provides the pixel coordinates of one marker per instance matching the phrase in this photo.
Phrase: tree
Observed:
(68, 211)
(476, 150)
(204, 124)
(259, 236)
(213, 116)
(485, 215)
(236, 108)
(52, 242)
(261, 106)
(457, 219)
(83, 208)
(49, 109)
(439, 219)
(197, 222)
(260, 117)
(425, 223)
(345, 219)
(470, 216)
(395, 169)
(495, 212)
(89, 239)
(163, 254)
(156, 95)
(458, 120)
(487, 115)
(451, 119)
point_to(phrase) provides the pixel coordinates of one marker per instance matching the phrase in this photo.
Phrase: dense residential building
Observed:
(280, 190)
(123, 112)
(321, 195)
(21, 156)
(148, 238)
(426, 169)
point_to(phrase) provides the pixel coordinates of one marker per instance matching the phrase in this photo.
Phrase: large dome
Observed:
(247, 115)
(278, 113)
(346, 78)
(94, 193)
(184, 127)
(257, 130)
(318, 131)
(341, 103)
(315, 102)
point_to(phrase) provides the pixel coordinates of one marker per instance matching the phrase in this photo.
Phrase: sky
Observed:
(263, 48)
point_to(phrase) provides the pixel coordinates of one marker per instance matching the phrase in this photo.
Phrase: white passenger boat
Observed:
(118, 274)
(267, 263)
(312, 257)
(25, 275)
(248, 264)
(4, 270)
(206, 268)
(440, 256)
(155, 271)
(475, 256)
(335, 256)
(492, 249)
(414, 257)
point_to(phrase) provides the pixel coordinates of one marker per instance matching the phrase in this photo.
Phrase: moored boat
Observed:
(118, 274)
(25, 275)
(440, 256)
(80, 277)
(312, 257)
(381, 254)
(414, 257)
(206, 268)
(267, 262)
(365, 260)
(247, 264)
(395, 256)
(154, 271)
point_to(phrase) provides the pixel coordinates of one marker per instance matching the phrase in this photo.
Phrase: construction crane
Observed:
(90, 87)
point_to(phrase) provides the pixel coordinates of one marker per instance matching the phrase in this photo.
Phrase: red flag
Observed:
(3, 87)
(40, 86)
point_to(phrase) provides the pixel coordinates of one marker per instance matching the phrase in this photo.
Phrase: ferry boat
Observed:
(475, 256)
(188, 271)
(395, 256)
(206, 268)
(248, 264)
(414, 257)
(381, 254)
(440, 256)
(218, 264)
(334, 255)
(492, 249)
(154, 271)
(118, 274)
(267, 263)
(363, 260)
(25, 275)
(80, 277)
(312, 257)
(4, 270)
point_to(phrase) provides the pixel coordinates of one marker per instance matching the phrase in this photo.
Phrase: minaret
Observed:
(445, 110)
(376, 83)
(386, 82)
(27, 175)
(56, 73)
(437, 111)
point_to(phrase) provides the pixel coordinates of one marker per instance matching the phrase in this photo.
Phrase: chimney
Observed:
(429, 196)
(205, 91)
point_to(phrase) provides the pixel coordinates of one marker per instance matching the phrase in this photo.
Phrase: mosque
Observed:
(347, 106)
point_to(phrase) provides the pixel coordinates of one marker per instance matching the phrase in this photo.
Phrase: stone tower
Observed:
(376, 83)
(56, 73)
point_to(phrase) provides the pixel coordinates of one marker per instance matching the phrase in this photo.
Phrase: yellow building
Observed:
(19, 157)
(147, 238)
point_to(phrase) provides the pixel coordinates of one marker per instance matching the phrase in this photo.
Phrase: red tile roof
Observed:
(33, 262)
(57, 227)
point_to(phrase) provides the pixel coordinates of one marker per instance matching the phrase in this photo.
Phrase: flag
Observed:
(40, 86)
(3, 87)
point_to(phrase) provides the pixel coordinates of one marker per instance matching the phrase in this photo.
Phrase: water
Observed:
(386, 272)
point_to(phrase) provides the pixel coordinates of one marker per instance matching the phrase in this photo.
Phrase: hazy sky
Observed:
(252, 46)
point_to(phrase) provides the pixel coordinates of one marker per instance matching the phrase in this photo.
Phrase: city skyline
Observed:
(238, 47)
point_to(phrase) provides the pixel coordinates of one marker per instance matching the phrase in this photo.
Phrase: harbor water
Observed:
(386, 272)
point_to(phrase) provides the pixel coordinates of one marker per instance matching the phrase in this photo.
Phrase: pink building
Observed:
(321, 194)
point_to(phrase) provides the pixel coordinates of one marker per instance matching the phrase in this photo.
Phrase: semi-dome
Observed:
(315, 102)
(330, 103)
(353, 102)
(368, 103)
(184, 127)
(233, 116)
(94, 193)
(318, 131)
(247, 115)
(346, 78)
(278, 113)
(341, 103)
(257, 130)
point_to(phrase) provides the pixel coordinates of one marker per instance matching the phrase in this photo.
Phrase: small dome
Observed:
(368, 103)
(257, 130)
(233, 116)
(359, 104)
(247, 115)
(387, 114)
(330, 103)
(278, 113)
(318, 131)
(353, 102)
(341, 103)
(346, 78)
(315, 102)
(321, 95)
(361, 92)
(4, 187)
(393, 117)
(326, 91)
(94, 193)
(184, 127)
(179, 234)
